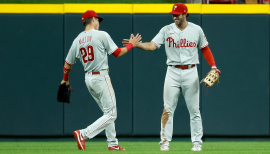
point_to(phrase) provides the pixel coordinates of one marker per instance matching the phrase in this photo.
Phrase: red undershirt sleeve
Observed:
(116, 52)
(208, 56)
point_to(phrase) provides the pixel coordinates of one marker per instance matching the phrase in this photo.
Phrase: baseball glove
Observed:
(212, 77)
(64, 93)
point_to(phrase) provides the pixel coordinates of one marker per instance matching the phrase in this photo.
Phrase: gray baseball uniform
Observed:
(181, 49)
(92, 47)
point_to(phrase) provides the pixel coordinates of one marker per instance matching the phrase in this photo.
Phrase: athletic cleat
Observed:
(80, 140)
(116, 148)
(164, 148)
(196, 147)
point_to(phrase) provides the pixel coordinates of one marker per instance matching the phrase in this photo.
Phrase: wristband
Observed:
(64, 81)
(129, 46)
(65, 78)
(66, 74)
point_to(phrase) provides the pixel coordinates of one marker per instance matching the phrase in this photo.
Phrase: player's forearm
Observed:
(147, 46)
(121, 51)
(66, 69)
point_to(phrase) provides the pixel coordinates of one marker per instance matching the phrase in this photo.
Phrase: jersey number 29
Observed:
(89, 53)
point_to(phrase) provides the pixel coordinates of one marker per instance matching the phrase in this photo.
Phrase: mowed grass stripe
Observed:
(131, 147)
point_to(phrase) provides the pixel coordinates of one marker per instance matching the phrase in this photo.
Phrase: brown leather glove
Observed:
(212, 77)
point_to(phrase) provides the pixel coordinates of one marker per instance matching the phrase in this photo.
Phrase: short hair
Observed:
(187, 15)
(87, 21)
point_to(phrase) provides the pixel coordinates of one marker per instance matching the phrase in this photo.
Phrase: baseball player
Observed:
(91, 47)
(181, 39)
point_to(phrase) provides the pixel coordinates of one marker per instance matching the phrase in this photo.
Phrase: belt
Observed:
(103, 72)
(93, 73)
(183, 67)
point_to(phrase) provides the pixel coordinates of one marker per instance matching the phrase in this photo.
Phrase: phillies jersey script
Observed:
(92, 47)
(181, 46)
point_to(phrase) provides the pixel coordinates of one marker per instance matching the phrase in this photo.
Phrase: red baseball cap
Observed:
(179, 8)
(89, 14)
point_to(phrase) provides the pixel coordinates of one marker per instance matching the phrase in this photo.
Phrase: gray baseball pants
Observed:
(187, 81)
(100, 87)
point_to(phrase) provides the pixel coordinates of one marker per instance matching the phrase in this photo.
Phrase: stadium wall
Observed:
(35, 40)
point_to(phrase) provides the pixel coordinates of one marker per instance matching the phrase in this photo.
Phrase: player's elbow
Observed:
(152, 47)
(67, 65)
(148, 49)
(117, 53)
(116, 56)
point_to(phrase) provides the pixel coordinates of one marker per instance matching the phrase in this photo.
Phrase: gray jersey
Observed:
(91, 47)
(181, 46)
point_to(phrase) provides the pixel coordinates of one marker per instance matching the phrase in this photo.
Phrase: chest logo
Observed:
(182, 44)
(171, 33)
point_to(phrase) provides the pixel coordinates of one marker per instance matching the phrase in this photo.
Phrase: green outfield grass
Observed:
(131, 147)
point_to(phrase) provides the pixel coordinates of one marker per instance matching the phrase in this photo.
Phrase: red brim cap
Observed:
(179, 8)
(175, 12)
(89, 14)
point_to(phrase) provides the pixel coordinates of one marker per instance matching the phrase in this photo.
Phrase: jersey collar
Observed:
(177, 30)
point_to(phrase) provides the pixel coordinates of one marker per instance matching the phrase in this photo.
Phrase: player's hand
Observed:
(67, 83)
(218, 71)
(126, 41)
(135, 40)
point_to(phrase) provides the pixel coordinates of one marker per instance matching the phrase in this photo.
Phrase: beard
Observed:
(181, 21)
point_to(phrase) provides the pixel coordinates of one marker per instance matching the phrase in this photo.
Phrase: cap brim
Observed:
(99, 19)
(176, 13)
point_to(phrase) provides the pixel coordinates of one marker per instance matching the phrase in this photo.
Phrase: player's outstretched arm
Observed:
(148, 46)
(133, 42)
(67, 69)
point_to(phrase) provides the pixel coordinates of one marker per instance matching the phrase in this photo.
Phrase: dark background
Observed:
(34, 46)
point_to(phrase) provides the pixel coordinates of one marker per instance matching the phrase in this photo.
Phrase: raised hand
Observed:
(126, 41)
(135, 40)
